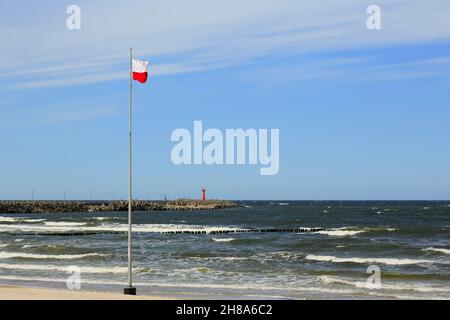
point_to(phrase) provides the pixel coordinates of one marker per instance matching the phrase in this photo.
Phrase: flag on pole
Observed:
(139, 69)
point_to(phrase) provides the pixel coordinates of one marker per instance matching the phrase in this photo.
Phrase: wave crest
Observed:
(10, 255)
(440, 250)
(387, 261)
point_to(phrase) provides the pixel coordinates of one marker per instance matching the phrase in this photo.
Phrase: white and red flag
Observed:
(139, 69)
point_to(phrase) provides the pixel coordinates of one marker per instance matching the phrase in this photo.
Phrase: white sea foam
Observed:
(27, 246)
(219, 258)
(340, 233)
(8, 219)
(161, 228)
(352, 231)
(440, 250)
(388, 261)
(64, 224)
(332, 280)
(191, 285)
(223, 239)
(237, 286)
(379, 229)
(9, 255)
(307, 229)
(35, 228)
(396, 287)
(3, 245)
(113, 227)
(38, 267)
(33, 220)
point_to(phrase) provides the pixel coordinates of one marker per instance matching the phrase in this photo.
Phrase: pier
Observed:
(110, 206)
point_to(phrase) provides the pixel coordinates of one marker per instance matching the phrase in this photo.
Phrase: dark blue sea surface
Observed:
(408, 242)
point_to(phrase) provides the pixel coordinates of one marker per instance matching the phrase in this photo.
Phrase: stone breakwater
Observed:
(105, 206)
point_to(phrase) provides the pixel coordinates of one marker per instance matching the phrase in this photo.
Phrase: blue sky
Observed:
(362, 114)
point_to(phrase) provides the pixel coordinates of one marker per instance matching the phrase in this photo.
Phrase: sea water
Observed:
(408, 241)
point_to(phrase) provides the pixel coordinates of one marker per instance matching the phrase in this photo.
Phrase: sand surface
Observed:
(23, 293)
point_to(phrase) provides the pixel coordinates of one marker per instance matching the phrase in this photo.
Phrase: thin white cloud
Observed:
(102, 75)
(78, 114)
(55, 114)
(197, 35)
(356, 68)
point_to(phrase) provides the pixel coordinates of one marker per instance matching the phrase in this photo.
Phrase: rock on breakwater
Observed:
(108, 206)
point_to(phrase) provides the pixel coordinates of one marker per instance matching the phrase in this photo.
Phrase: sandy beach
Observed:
(24, 293)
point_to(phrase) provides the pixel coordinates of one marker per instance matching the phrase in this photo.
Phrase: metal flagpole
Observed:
(130, 290)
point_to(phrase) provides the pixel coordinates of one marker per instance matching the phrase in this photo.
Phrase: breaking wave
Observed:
(387, 261)
(33, 220)
(64, 224)
(223, 239)
(8, 219)
(352, 231)
(95, 270)
(399, 287)
(9, 255)
(54, 227)
(440, 250)
(29, 220)
(340, 232)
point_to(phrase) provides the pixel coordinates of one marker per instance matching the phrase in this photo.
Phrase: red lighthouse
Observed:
(203, 194)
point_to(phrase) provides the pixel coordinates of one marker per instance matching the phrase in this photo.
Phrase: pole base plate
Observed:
(130, 291)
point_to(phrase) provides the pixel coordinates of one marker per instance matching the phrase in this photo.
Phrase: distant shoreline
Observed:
(56, 206)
